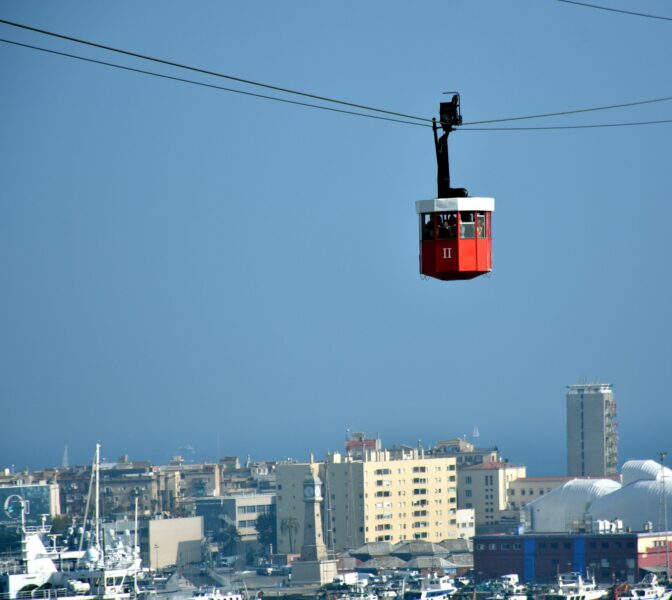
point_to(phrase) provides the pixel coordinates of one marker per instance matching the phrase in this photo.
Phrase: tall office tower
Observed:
(592, 436)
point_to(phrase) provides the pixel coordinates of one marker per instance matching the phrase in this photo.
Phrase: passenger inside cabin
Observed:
(448, 227)
(480, 227)
(467, 225)
(428, 227)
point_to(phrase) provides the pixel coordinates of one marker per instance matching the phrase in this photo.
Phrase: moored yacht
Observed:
(647, 589)
(572, 586)
(92, 574)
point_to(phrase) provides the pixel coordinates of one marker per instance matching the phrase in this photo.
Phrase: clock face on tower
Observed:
(308, 492)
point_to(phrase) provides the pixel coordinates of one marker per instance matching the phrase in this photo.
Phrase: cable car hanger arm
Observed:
(449, 114)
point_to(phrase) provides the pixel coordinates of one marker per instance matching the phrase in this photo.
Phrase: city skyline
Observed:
(181, 264)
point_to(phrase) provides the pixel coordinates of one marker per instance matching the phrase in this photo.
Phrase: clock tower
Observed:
(314, 548)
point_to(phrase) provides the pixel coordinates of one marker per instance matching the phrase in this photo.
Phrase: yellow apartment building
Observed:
(385, 496)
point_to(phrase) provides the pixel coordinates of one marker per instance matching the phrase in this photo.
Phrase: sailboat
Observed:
(95, 573)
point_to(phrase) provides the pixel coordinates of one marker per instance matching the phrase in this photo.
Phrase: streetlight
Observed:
(156, 554)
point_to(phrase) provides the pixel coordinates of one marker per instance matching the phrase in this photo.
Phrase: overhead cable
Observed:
(209, 72)
(213, 86)
(617, 10)
(541, 128)
(365, 115)
(572, 112)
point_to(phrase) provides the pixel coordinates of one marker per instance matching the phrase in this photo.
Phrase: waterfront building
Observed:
(239, 510)
(524, 490)
(388, 496)
(539, 558)
(484, 488)
(164, 542)
(592, 434)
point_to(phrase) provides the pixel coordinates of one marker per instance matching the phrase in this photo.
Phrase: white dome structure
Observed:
(637, 504)
(640, 500)
(562, 507)
(643, 470)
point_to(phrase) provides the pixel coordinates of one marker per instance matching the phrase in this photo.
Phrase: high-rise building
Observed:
(592, 436)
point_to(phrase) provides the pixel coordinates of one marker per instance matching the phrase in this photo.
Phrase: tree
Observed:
(290, 525)
(267, 533)
(229, 537)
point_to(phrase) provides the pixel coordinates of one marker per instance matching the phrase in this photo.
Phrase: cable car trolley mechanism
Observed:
(455, 229)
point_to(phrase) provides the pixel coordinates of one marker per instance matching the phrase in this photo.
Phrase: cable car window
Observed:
(480, 225)
(447, 226)
(428, 226)
(467, 229)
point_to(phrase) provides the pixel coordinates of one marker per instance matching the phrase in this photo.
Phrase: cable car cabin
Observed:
(455, 237)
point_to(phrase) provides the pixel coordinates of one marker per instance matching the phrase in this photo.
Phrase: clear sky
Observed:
(185, 266)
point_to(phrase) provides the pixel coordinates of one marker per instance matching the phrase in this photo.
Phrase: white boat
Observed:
(507, 587)
(432, 588)
(213, 593)
(94, 574)
(572, 586)
(647, 589)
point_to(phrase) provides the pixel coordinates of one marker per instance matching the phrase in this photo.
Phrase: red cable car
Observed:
(455, 230)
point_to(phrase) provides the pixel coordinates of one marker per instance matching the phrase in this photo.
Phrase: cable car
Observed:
(455, 229)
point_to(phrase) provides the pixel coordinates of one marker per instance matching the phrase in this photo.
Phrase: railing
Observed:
(38, 594)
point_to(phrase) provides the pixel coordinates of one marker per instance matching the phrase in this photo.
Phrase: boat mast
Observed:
(135, 547)
(97, 484)
(663, 499)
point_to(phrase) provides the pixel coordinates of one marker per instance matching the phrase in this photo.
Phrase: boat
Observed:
(94, 573)
(572, 586)
(506, 587)
(214, 593)
(647, 589)
(431, 588)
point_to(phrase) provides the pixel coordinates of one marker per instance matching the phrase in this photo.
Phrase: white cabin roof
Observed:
(454, 204)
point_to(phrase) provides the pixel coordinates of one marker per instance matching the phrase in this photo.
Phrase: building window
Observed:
(419, 469)
(467, 493)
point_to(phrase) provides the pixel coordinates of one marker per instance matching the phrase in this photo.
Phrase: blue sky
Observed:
(181, 265)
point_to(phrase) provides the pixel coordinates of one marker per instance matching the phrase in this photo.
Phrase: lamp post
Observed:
(156, 554)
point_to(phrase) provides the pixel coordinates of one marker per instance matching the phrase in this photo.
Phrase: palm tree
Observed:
(289, 525)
